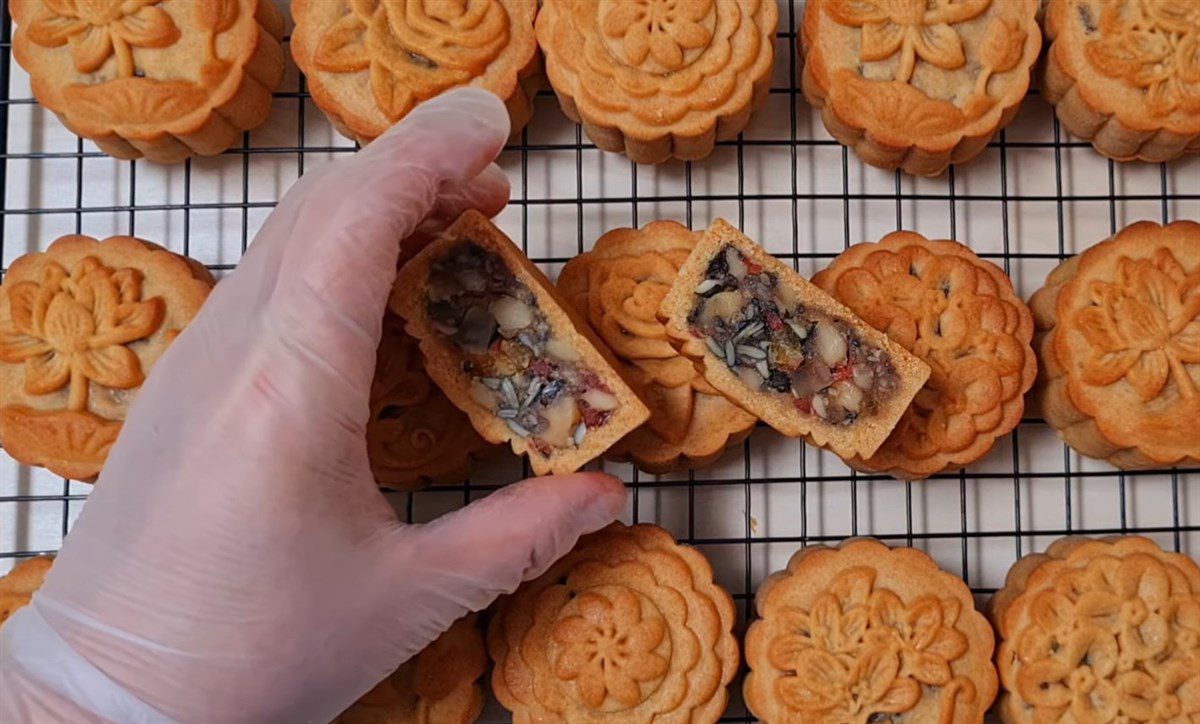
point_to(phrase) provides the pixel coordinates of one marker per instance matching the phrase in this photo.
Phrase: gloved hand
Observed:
(235, 561)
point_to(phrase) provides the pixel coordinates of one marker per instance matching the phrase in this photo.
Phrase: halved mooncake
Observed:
(785, 350)
(507, 349)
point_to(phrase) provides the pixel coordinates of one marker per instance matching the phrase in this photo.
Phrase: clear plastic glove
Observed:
(235, 561)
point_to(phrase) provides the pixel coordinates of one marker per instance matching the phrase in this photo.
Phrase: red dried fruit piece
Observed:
(591, 417)
(774, 321)
(804, 404)
(592, 381)
(541, 367)
(843, 372)
(753, 267)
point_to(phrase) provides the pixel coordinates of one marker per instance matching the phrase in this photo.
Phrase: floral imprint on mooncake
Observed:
(166, 79)
(619, 287)
(370, 62)
(440, 685)
(1125, 74)
(864, 633)
(1120, 344)
(659, 79)
(415, 436)
(1099, 631)
(961, 316)
(1153, 45)
(918, 84)
(80, 326)
(627, 627)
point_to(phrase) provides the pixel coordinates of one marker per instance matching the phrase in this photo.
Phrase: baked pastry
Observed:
(81, 324)
(18, 585)
(618, 287)
(440, 685)
(659, 80)
(369, 62)
(415, 436)
(1124, 75)
(164, 79)
(863, 633)
(784, 350)
(507, 349)
(1100, 631)
(960, 315)
(1119, 340)
(918, 84)
(628, 627)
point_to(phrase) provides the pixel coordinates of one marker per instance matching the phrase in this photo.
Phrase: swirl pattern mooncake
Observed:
(628, 627)
(865, 633)
(960, 315)
(370, 62)
(1100, 631)
(164, 79)
(1125, 75)
(440, 685)
(81, 324)
(415, 436)
(1119, 341)
(659, 79)
(618, 287)
(918, 84)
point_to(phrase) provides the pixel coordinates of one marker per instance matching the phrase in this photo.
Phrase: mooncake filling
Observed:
(777, 345)
(520, 369)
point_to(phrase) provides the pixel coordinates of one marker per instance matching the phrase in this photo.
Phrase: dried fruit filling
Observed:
(519, 369)
(775, 344)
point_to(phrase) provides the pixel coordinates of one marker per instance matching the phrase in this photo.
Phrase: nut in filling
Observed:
(520, 369)
(776, 345)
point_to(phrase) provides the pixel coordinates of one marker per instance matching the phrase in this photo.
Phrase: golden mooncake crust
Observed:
(1125, 75)
(1100, 630)
(81, 324)
(960, 315)
(659, 80)
(1119, 340)
(629, 626)
(440, 685)
(618, 287)
(18, 585)
(918, 85)
(860, 631)
(370, 62)
(164, 79)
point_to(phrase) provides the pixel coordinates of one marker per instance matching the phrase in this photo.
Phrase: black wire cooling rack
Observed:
(1034, 198)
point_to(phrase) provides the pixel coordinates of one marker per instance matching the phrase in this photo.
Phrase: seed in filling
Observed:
(757, 328)
(519, 368)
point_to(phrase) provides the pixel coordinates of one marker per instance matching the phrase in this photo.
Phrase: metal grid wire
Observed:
(1033, 198)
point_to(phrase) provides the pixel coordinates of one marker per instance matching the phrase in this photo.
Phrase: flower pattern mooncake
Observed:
(918, 84)
(1101, 630)
(370, 62)
(659, 79)
(960, 315)
(1119, 341)
(865, 633)
(81, 324)
(1125, 75)
(628, 627)
(164, 79)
